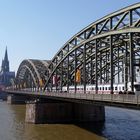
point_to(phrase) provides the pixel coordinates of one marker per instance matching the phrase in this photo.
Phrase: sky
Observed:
(37, 29)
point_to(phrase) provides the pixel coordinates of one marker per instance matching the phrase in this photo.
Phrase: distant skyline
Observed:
(37, 29)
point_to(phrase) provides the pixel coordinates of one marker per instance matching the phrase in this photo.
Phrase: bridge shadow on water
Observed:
(94, 127)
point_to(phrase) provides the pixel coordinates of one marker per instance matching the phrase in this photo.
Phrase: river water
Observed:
(120, 124)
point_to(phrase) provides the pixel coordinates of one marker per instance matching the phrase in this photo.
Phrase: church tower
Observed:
(5, 63)
(5, 74)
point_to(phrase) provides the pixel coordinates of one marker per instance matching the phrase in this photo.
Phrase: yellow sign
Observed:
(41, 82)
(78, 76)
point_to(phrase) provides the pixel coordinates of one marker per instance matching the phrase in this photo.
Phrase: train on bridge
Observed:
(102, 88)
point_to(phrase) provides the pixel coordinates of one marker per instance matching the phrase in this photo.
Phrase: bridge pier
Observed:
(63, 112)
(49, 112)
(89, 113)
(16, 99)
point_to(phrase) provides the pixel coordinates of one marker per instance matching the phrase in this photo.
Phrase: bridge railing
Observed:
(118, 98)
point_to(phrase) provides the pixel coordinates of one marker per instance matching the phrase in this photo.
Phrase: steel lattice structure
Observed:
(32, 72)
(106, 51)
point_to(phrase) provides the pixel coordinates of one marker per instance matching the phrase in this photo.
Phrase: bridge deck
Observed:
(118, 100)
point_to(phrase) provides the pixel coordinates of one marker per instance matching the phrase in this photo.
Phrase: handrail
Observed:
(112, 98)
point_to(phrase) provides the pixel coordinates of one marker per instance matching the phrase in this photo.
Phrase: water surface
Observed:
(13, 127)
(120, 124)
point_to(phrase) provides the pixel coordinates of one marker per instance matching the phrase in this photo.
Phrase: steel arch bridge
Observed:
(31, 73)
(106, 51)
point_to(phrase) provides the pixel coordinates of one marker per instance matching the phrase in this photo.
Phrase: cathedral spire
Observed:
(5, 74)
(6, 55)
(5, 62)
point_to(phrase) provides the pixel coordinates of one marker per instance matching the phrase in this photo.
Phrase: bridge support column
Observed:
(89, 113)
(63, 112)
(16, 99)
(49, 112)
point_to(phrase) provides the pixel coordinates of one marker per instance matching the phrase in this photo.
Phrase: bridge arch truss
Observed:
(32, 73)
(106, 51)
